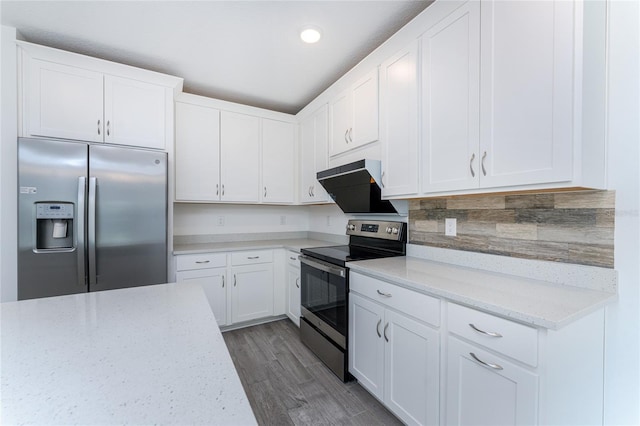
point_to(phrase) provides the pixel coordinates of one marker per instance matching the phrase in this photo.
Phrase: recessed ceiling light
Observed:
(310, 35)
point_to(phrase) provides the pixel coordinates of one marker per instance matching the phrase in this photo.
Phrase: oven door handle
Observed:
(326, 267)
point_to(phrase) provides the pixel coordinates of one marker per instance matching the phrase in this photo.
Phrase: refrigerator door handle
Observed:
(80, 218)
(91, 221)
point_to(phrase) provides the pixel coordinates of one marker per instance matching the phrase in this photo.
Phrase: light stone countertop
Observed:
(534, 302)
(143, 355)
(289, 244)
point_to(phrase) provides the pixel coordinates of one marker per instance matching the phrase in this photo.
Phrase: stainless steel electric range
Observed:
(325, 286)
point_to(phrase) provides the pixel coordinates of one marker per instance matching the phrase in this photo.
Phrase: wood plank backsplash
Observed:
(569, 227)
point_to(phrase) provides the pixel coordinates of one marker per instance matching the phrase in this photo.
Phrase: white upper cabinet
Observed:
(354, 115)
(451, 103)
(76, 97)
(240, 154)
(278, 161)
(64, 102)
(526, 86)
(134, 113)
(197, 156)
(399, 122)
(313, 156)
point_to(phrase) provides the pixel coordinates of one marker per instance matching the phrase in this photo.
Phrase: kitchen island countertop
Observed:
(142, 355)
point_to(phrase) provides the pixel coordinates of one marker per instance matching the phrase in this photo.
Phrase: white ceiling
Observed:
(240, 51)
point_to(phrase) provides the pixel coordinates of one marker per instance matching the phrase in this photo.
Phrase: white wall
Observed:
(328, 219)
(8, 167)
(622, 350)
(202, 219)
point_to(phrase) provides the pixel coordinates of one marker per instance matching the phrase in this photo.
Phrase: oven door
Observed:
(324, 297)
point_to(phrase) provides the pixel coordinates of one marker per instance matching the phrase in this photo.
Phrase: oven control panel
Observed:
(377, 229)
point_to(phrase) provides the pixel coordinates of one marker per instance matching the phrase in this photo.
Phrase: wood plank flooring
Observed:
(288, 385)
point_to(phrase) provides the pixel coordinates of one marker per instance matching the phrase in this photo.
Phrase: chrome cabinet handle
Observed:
(223, 189)
(98, 126)
(378, 327)
(382, 179)
(484, 171)
(473, 157)
(309, 191)
(351, 134)
(297, 282)
(108, 129)
(217, 189)
(488, 364)
(346, 132)
(265, 192)
(383, 294)
(253, 257)
(223, 281)
(293, 258)
(234, 280)
(385, 332)
(486, 333)
(313, 192)
(202, 261)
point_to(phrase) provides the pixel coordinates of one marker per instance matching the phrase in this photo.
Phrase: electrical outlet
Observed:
(450, 225)
(283, 220)
(220, 220)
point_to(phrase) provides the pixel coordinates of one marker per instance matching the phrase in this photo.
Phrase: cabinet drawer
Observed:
(501, 335)
(187, 262)
(251, 257)
(292, 258)
(418, 305)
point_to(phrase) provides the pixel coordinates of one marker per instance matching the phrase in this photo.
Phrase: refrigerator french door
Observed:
(91, 217)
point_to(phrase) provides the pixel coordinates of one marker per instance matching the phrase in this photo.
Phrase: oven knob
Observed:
(394, 231)
(351, 227)
(388, 229)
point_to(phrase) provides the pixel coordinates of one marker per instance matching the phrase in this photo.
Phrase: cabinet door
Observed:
(399, 122)
(278, 162)
(495, 393)
(313, 156)
(366, 345)
(64, 102)
(412, 368)
(134, 113)
(251, 292)
(213, 282)
(239, 157)
(364, 124)
(526, 86)
(451, 101)
(197, 155)
(340, 111)
(293, 294)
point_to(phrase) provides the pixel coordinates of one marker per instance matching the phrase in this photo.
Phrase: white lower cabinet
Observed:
(293, 287)
(251, 292)
(214, 283)
(486, 389)
(396, 358)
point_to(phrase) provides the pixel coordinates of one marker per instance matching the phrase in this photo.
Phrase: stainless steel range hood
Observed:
(355, 187)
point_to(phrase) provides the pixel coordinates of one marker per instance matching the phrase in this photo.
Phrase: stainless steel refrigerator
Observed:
(90, 217)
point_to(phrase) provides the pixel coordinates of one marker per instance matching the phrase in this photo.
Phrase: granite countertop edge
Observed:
(216, 247)
(569, 304)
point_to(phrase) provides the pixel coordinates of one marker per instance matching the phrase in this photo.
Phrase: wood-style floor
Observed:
(288, 385)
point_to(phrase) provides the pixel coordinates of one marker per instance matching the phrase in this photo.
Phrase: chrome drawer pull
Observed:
(383, 294)
(253, 257)
(486, 333)
(378, 327)
(292, 258)
(488, 364)
(297, 282)
(202, 261)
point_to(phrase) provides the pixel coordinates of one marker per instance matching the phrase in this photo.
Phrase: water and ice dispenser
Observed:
(54, 226)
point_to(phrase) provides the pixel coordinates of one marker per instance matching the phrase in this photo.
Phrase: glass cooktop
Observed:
(339, 255)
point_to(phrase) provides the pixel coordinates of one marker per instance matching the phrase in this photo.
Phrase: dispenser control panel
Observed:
(54, 211)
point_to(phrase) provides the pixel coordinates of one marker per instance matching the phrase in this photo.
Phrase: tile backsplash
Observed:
(570, 227)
